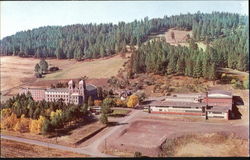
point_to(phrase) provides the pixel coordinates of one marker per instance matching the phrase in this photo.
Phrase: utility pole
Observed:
(105, 144)
(206, 106)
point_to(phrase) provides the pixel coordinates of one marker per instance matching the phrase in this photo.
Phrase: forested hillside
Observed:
(160, 57)
(92, 40)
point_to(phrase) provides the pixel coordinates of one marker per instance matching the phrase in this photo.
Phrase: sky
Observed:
(20, 16)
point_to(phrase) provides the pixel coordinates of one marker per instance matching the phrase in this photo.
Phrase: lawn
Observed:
(119, 113)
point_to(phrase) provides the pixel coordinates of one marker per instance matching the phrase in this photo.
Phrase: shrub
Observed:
(246, 84)
(137, 154)
(233, 81)
(238, 85)
(104, 118)
(38, 75)
(120, 103)
(97, 102)
(53, 69)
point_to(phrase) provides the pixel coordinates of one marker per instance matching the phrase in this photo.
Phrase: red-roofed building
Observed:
(213, 104)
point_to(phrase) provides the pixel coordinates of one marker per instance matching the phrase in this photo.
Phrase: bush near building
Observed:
(97, 102)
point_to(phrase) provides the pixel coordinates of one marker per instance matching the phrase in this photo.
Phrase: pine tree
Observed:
(212, 72)
(198, 69)
(180, 65)
(37, 68)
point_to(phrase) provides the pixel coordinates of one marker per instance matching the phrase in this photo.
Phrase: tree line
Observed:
(92, 41)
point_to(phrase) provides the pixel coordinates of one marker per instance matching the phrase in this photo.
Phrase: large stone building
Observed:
(213, 104)
(73, 94)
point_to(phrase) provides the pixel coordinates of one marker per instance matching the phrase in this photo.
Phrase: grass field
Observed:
(12, 149)
(16, 71)
(100, 68)
(209, 145)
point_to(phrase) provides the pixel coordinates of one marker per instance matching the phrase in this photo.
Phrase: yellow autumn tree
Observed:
(22, 124)
(57, 113)
(17, 127)
(5, 112)
(36, 125)
(9, 122)
(132, 101)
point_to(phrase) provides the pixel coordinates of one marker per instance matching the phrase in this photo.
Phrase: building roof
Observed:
(70, 82)
(57, 90)
(219, 93)
(220, 108)
(177, 104)
(33, 88)
(90, 87)
(190, 95)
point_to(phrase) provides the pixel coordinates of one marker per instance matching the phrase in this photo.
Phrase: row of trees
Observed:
(92, 40)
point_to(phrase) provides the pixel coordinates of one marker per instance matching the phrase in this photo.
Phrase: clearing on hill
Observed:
(180, 38)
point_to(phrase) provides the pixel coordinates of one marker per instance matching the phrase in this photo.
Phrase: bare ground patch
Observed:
(12, 149)
(147, 136)
(180, 36)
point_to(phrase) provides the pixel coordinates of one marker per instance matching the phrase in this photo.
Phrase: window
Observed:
(160, 109)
